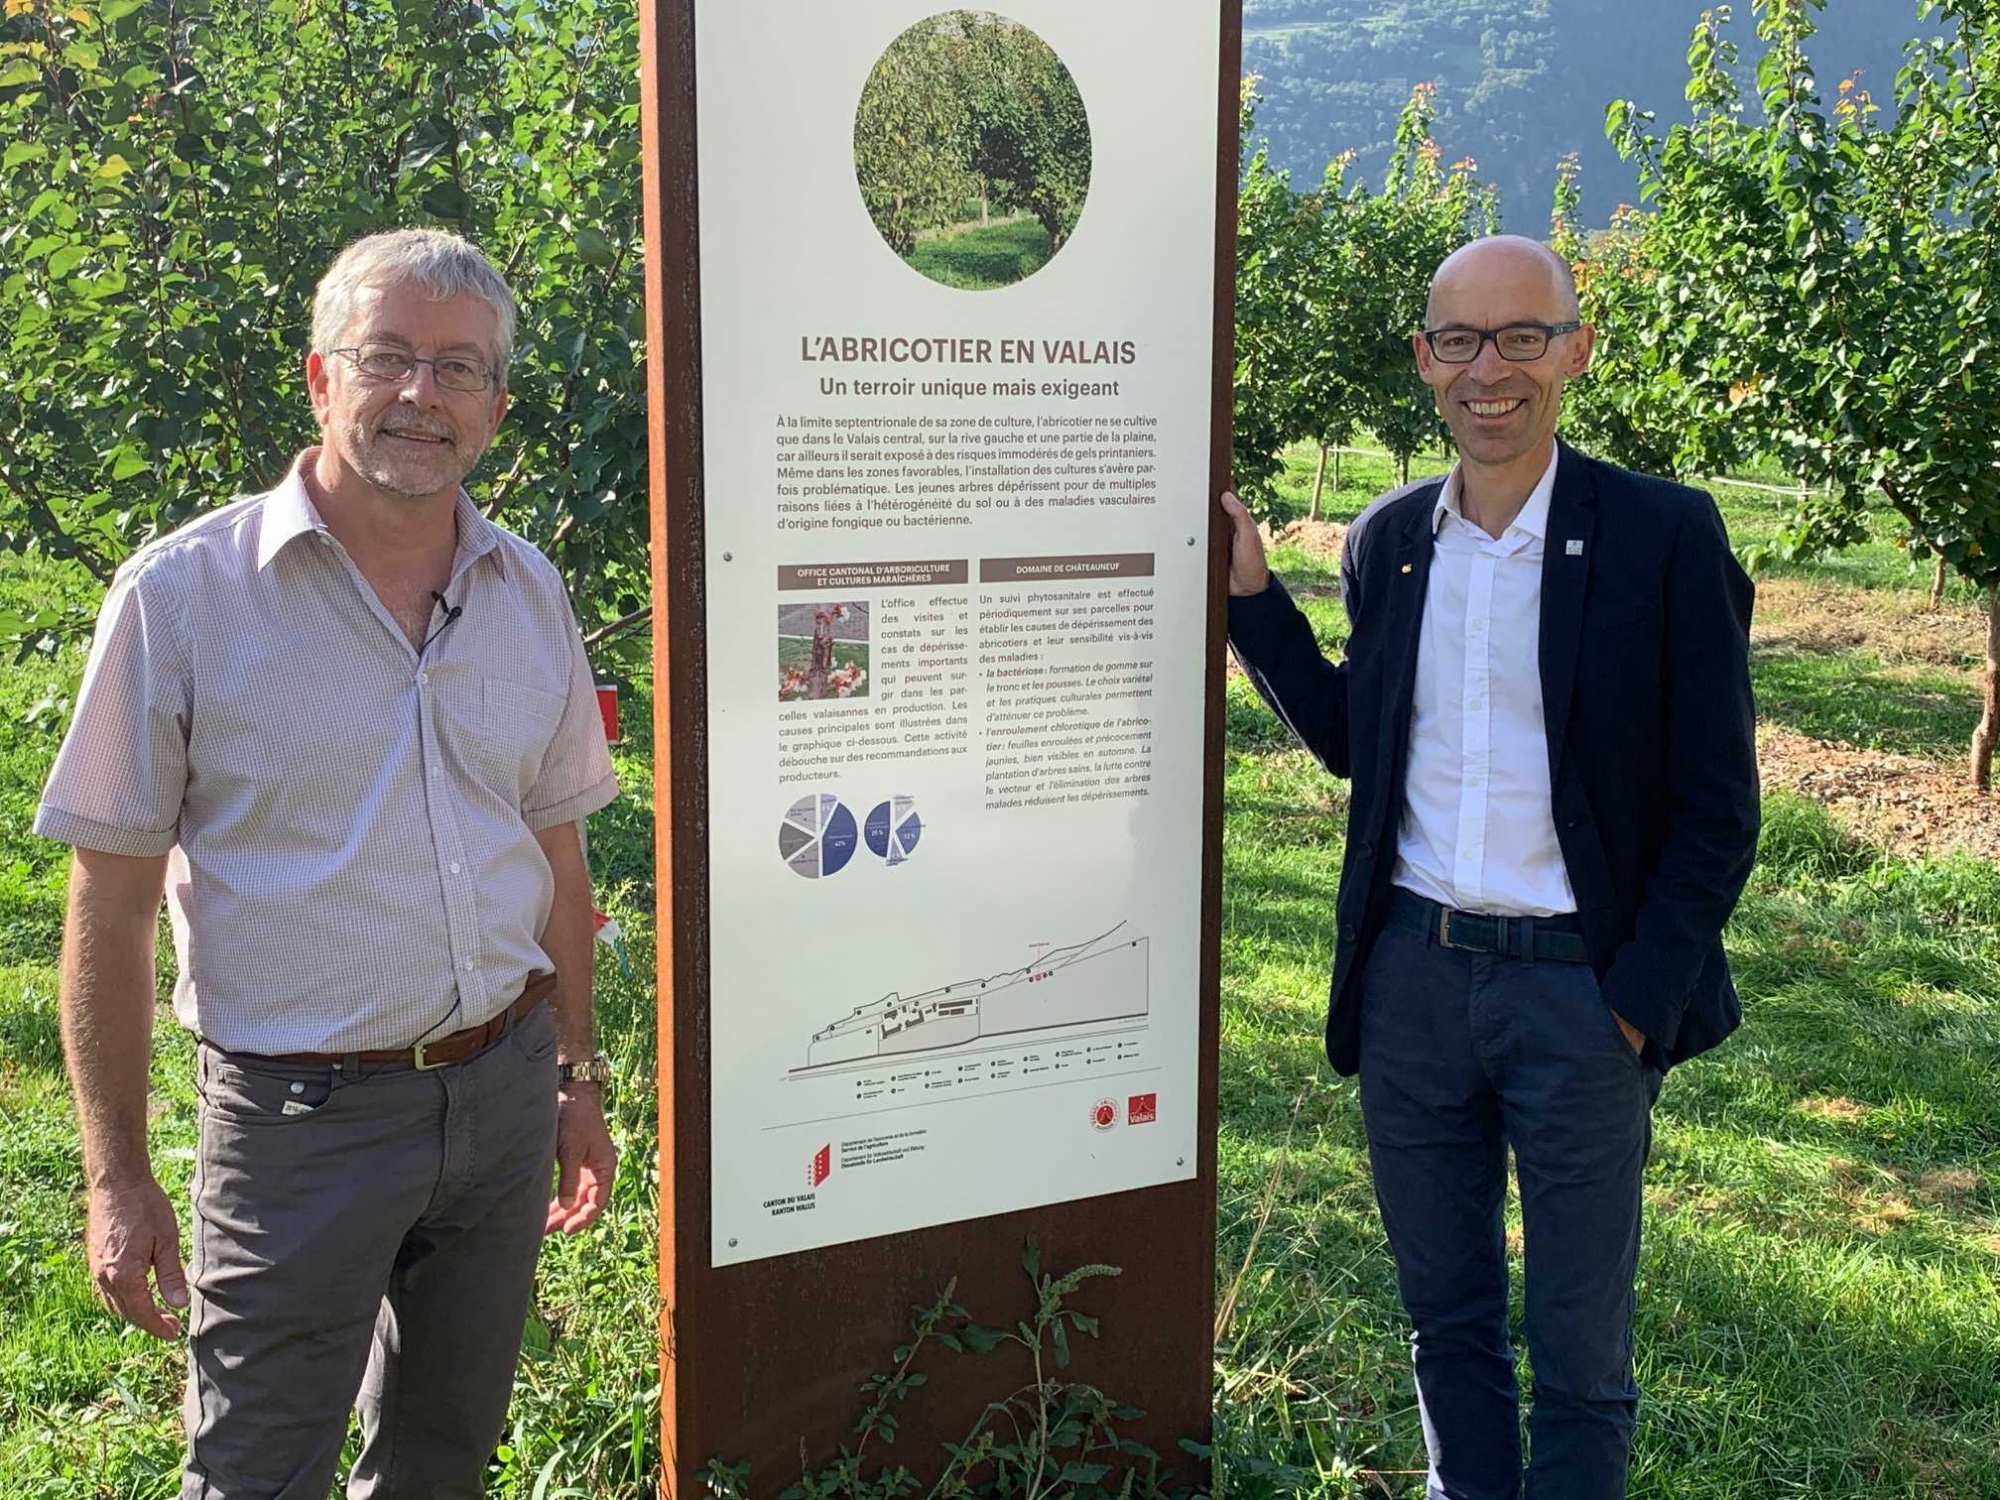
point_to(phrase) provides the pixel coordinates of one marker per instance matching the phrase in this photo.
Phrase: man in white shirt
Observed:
(1545, 709)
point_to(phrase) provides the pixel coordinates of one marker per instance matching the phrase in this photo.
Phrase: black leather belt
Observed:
(1557, 939)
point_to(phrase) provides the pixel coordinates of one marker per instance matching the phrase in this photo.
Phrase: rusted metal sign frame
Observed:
(763, 1361)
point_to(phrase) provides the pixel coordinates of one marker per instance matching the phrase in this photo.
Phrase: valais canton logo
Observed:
(1142, 1109)
(821, 1168)
(1104, 1114)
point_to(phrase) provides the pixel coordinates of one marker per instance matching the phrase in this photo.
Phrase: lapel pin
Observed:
(1573, 548)
(1406, 567)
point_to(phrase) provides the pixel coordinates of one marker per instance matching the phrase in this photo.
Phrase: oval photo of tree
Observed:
(972, 148)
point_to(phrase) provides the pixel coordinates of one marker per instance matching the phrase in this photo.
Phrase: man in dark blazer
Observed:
(1545, 710)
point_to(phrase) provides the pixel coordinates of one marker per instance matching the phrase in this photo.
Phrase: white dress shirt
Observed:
(350, 822)
(1478, 830)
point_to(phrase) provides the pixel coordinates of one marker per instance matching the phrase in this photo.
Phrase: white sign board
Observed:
(957, 272)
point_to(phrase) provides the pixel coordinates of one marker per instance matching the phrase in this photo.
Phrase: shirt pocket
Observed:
(517, 725)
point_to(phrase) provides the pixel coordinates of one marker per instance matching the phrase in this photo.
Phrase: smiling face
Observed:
(1501, 412)
(410, 437)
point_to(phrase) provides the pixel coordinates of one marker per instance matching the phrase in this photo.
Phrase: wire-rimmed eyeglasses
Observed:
(454, 372)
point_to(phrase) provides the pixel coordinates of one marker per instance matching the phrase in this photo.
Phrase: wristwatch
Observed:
(593, 1069)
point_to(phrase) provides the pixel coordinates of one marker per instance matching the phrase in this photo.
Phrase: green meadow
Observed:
(1820, 1290)
(978, 258)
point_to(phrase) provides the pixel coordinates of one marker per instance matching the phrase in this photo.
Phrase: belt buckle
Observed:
(1444, 929)
(417, 1059)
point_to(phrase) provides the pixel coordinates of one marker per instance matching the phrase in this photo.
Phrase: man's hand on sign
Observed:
(132, 1242)
(1248, 573)
(586, 1160)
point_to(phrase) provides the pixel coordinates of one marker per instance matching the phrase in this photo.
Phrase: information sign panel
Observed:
(956, 302)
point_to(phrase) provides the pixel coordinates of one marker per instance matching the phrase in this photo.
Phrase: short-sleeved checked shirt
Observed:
(351, 824)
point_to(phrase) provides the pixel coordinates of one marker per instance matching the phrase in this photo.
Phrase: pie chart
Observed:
(893, 828)
(817, 837)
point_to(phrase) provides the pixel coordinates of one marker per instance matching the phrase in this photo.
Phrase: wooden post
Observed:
(761, 1361)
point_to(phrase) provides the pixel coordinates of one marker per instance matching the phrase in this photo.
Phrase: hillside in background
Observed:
(1520, 81)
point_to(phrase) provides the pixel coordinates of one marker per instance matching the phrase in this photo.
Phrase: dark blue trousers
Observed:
(1462, 1056)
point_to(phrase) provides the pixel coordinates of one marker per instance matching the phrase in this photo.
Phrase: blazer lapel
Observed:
(1407, 583)
(1566, 562)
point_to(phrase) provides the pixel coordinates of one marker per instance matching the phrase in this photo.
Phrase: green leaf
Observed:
(129, 465)
(23, 151)
(118, 10)
(447, 200)
(594, 249)
(67, 259)
(18, 73)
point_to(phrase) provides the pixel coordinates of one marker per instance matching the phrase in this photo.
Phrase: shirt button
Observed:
(435, 772)
(454, 867)
(424, 677)
(1477, 705)
(470, 966)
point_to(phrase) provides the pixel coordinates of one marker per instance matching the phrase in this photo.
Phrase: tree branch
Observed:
(62, 542)
(632, 621)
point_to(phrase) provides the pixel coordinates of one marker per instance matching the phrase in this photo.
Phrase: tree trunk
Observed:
(1319, 484)
(1402, 468)
(985, 207)
(1988, 732)
(1336, 470)
(822, 658)
(1937, 583)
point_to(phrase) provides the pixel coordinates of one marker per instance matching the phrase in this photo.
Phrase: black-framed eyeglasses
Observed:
(1517, 343)
(454, 372)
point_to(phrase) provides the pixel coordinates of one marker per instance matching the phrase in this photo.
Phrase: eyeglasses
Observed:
(1518, 343)
(387, 362)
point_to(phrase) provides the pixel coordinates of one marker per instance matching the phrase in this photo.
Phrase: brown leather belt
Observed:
(446, 1050)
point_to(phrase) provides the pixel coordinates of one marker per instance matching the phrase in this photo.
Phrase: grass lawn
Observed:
(1820, 1290)
(984, 259)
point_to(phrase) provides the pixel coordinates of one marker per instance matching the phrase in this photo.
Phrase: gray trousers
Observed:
(363, 1242)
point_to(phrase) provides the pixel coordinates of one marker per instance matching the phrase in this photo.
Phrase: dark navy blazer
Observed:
(1645, 643)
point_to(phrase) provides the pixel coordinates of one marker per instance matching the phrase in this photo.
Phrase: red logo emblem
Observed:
(1104, 1114)
(821, 1168)
(1142, 1109)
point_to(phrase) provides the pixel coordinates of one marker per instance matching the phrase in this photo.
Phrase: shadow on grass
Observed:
(1853, 697)
(1308, 575)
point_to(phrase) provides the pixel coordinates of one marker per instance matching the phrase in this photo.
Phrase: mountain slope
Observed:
(1520, 81)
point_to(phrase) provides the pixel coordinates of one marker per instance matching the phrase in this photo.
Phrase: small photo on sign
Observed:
(972, 147)
(822, 652)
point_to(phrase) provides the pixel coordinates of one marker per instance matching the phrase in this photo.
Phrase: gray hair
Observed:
(445, 265)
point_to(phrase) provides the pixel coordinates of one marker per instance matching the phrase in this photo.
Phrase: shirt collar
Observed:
(289, 514)
(1534, 516)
